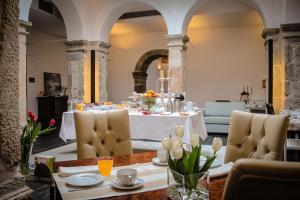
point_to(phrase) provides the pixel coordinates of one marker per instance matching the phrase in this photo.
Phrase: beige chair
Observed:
(102, 133)
(258, 136)
(251, 179)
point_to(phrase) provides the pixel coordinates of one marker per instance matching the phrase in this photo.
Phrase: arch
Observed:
(68, 11)
(112, 13)
(140, 73)
(182, 25)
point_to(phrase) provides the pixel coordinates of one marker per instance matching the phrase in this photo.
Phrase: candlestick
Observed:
(162, 81)
(169, 73)
(162, 74)
(169, 79)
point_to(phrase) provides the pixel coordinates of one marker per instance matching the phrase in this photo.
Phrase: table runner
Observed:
(155, 177)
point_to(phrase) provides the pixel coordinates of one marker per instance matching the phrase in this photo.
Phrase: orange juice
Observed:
(105, 166)
(80, 106)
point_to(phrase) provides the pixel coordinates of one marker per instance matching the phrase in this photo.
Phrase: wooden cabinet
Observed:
(51, 107)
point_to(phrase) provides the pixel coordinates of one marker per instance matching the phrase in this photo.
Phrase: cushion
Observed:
(216, 120)
(223, 108)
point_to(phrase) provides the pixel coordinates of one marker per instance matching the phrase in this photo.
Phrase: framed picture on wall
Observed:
(52, 83)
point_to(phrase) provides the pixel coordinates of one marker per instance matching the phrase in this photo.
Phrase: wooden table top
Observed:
(216, 186)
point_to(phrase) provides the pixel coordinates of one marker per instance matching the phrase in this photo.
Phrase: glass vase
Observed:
(25, 155)
(187, 187)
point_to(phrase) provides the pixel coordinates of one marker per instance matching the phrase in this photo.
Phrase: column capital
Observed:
(270, 33)
(290, 30)
(77, 45)
(23, 26)
(177, 40)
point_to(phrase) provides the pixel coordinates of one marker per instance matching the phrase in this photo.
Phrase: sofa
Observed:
(217, 115)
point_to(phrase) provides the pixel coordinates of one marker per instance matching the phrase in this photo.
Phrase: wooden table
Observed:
(216, 186)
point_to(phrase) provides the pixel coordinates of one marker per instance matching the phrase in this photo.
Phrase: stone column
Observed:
(22, 73)
(77, 58)
(10, 128)
(271, 35)
(140, 78)
(177, 55)
(103, 53)
(290, 34)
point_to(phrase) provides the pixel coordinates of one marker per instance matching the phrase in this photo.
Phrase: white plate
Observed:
(165, 113)
(85, 180)
(157, 161)
(216, 163)
(138, 183)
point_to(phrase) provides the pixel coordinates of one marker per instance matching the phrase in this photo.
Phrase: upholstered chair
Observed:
(257, 136)
(263, 179)
(102, 133)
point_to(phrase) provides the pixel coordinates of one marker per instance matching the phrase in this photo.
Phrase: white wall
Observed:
(220, 62)
(43, 57)
(124, 54)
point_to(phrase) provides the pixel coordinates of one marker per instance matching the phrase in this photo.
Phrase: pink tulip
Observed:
(52, 122)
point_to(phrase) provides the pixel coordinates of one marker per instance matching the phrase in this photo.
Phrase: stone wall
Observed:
(10, 128)
(291, 40)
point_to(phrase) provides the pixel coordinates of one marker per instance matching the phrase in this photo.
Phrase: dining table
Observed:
(154, 127)
(216, 185)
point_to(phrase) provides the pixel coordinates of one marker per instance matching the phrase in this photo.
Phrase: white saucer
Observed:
(138, 183)
(157, 161)
(85, 180)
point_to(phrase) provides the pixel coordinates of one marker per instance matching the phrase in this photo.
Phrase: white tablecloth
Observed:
(150, 127)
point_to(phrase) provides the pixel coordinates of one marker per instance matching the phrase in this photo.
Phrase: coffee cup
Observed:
(162, 155)
(126, 176)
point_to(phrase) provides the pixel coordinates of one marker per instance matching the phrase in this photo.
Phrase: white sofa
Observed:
(217, 115)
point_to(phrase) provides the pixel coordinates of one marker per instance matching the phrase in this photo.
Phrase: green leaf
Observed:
(208, 163)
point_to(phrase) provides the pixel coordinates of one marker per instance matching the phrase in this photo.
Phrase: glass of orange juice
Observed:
(80, 106)
(105, 165)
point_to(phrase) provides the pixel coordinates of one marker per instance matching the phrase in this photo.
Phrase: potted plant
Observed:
(184, 164)
(30, 133)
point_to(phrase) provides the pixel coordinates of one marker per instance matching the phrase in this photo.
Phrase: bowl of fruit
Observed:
(149, 98)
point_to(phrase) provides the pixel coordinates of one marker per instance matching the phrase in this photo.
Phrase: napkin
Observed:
(220, 171)
(68, 171)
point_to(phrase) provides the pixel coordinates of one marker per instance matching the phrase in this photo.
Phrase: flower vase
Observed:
(187, 187)
(25, 155)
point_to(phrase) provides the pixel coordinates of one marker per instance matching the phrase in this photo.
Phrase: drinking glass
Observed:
(105, 165)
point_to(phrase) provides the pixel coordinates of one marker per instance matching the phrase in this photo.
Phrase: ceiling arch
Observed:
(68, 11)
(182, 24)
(115, 10)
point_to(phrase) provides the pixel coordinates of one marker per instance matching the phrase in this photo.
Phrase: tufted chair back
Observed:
(251, 179)
(258, 136)
(102, 133)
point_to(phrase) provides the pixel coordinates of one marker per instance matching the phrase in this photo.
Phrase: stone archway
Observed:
(140, 73)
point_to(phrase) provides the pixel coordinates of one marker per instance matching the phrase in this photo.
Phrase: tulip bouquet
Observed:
(31, 132)
(184, 162)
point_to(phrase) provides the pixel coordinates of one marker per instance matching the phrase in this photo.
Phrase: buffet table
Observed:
(147, 127)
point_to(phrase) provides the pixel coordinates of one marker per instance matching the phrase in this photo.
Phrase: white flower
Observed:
(177, 153)
(166, 143)
(194, 140)
(176, 143)
(216, 144)
(179, 131)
